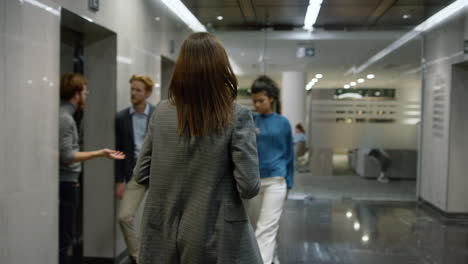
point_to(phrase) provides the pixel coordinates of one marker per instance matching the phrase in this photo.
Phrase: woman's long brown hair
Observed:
(203, 86)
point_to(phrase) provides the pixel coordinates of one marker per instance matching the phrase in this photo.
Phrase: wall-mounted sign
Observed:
(93, 5)
(305, 52)
(310, 52)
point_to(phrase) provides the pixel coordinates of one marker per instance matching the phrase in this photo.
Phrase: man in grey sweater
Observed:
(73, 92)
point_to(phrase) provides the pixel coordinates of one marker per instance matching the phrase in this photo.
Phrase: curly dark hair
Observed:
(270, 88)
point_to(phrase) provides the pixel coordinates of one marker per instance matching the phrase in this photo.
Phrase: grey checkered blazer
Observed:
(194, 213)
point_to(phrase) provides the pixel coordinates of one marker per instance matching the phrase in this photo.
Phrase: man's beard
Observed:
(137, 102)
(81, 104)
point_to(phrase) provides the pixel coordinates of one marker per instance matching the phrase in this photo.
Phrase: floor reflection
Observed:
(325, 232)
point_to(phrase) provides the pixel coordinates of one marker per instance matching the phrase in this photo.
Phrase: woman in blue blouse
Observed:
(276, 157)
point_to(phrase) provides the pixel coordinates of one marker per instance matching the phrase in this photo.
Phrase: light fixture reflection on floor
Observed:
(357, 226)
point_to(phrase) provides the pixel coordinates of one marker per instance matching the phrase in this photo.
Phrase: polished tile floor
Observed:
(345, 184)
(337, 231)
(351, 186)
(326, 232)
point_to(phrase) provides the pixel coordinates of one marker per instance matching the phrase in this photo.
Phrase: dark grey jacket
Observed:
(124, 142)
(194, 213)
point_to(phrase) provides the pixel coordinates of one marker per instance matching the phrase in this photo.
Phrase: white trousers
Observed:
(269, 206)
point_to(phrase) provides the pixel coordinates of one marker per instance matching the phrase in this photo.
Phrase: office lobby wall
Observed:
(141, 41)
(29, 100)
(440, 184)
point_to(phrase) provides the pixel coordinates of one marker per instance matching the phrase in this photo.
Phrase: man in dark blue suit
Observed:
(130, 128)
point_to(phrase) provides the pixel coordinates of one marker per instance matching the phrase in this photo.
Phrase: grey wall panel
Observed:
(167, 67)
(458, 167)
(29, 70)
(98, 180)
(293, 97)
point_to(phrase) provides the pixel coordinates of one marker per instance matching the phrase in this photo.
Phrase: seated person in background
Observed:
(382, 157)
(300, 140)
(300, 146)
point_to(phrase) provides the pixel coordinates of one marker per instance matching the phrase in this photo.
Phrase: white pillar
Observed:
(293, 96)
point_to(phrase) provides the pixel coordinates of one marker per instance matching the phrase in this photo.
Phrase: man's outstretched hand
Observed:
(112, 154)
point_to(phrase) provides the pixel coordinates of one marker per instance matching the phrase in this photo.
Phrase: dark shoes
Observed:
(131, 260)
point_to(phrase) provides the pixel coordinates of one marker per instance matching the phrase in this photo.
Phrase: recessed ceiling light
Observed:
(315, 80)
(370, 76)
(347, 86)
(353, 83)
(157, 18)
(349, 214)
(365, 238)
(406, 16)
(361, 80)
(318, 76)
(220, 18)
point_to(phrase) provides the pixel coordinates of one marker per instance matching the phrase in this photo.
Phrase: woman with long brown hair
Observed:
(199, 159)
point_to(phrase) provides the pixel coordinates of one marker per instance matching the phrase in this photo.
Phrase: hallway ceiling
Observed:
(335, 54)
(348, 33)
(334, 15)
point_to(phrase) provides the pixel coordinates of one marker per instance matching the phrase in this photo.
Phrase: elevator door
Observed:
(167, 67)
(91, 50)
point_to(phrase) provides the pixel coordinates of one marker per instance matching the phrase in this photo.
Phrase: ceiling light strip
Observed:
(54, 11)
(179, 9)
(311, 16)
(453, 9)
